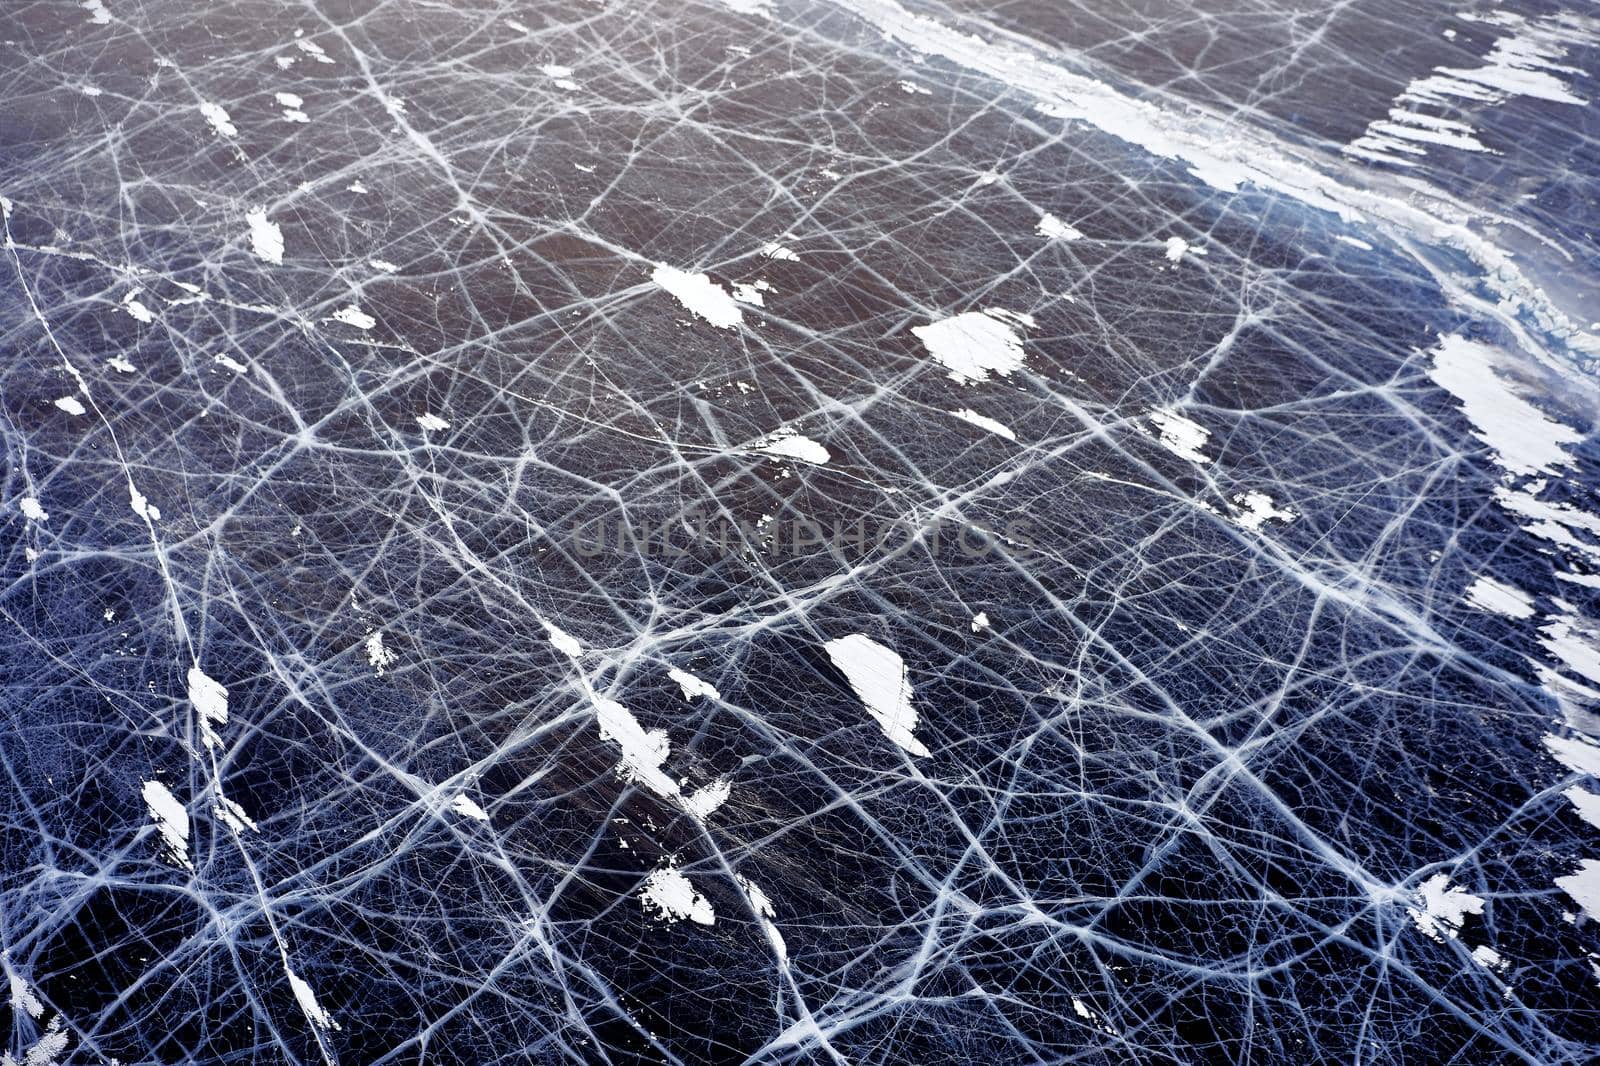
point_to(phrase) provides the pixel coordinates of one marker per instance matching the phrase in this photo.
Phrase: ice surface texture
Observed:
(1115, 546)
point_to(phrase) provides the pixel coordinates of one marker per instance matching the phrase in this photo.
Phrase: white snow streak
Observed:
(692, 686)
(700, 295)
(1181, 436)
(1524, 439)
(1487, 594)
(1583, 885)
(307, 999)
(880, 680)
(999, 429)
(172, 819)
(564, 642)
(354, 316)
(765, 913)
(788, 444)
(210, 701)
(706, 801)
(643, 751)
(1521, 64)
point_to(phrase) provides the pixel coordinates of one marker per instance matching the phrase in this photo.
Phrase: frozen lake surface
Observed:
(800, 531)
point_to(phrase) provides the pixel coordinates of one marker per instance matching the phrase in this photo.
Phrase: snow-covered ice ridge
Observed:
(1227, 691)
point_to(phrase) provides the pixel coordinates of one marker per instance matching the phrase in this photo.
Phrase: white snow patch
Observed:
(1176, 248)
(98, 15)
(1488, 957)
(230, 362)
(1181, 436)
(467, 807)
(749, 7)
(137, 308)
(44, 1051)
(432, 423)
(669, 897)
(699, 295)
(72, 405)
(210, 701)
(384, 265)
(142, 506)
(266, 238)
(787, 443)
(692, 686)
(1439, 909)
(172, 819)
(1583, 885)
(1256, 508)
(1587, 803)
(980, 621)
(974, 344)
(1576, 754)
(704, 802)
(22, 997)
(999, 429)
(218, 118)
(752, 293)
(378, 656)
(1523, 438)
(354, 316)
(33, 510)
(1487, 594)
(773, 250)
(880, 680)
(1052, 227)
